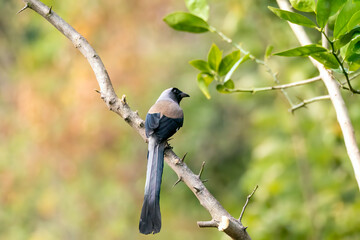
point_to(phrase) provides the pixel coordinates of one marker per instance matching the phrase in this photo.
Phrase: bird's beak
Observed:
(182, 95)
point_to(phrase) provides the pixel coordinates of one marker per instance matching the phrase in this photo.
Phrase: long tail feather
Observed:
(150, 218)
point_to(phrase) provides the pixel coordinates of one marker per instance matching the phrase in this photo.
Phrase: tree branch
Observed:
(247, 202)
(276, 87)
(335, 96)
(234, 228)
(305, 102)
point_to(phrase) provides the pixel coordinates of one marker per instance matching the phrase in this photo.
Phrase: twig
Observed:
(276, 87)
(324, 39)
(247, 202)
(235, 229)
(207, 224)
(332, 86)
(305, 102)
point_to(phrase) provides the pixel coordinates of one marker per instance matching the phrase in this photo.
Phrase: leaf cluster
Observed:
(343, 55)
(344, 42)
(217, 68)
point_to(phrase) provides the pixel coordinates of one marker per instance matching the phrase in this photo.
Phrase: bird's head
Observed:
(174, 94)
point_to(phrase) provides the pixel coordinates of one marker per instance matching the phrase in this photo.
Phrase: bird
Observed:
(162, 121)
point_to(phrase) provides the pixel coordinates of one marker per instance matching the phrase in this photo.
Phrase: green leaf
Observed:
(327, 59)
(198, 7)
(353, 51)
(293, 17)
(228, 61)
(229, 84)
(214, 57)
(344, 17)
(353, 66)
(187, 22)
(268, 51)
(208, 78)
(325, 9)
(236, 65)
(303, 51)
(303, 5)
(346, 38)
(201, 65)
(203, 81)
(354, 21)
(222, 89)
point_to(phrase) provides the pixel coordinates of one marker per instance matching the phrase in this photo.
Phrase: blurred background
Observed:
(71, 169)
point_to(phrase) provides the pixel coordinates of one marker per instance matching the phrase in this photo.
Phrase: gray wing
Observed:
(161, 127)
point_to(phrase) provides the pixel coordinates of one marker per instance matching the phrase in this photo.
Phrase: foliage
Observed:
(347, 18)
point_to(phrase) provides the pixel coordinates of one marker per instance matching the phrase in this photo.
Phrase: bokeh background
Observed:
(71, 169)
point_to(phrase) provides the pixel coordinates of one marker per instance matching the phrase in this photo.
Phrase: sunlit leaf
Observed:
(325, 9)
(303, 5)
(293, 17)
(186, 22)
(302, 51)
(199, 8)
(214, 57)
(353, 50)
(208, 78)
(222, 89)
(201, 65)
(228, 61)
(203, 81)
(268, 51)
(346, 38)
(327, 59)
(344, 17)
(354, 21)
(229, 84)
(353, 66)
(236, 65)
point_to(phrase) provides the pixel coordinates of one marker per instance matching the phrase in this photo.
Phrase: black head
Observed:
(177, 95)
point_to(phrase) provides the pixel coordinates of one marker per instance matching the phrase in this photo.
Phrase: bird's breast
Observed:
(168, 108)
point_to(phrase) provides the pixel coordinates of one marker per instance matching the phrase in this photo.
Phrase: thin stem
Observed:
(247, 202)
(276, 87)
(308, 101)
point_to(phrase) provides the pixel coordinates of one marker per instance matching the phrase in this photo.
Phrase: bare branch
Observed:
(207, 224)
(276, 87)
(247, 202)
(305, 102)
(335, 96)
(234, 229)
(221, 226)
